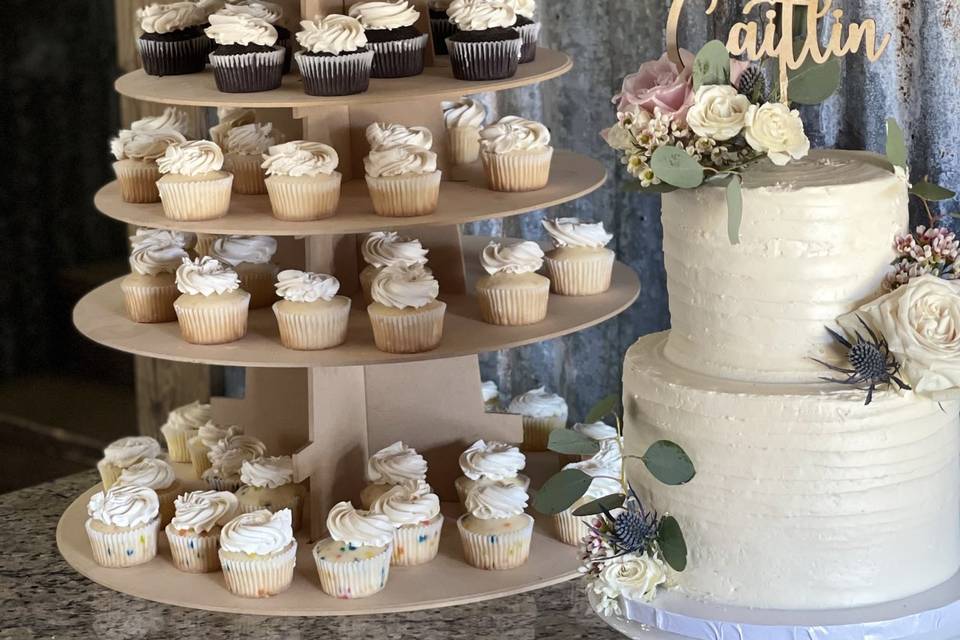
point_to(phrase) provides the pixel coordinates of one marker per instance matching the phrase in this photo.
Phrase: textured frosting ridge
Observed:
(334, 34)
(302, 286)
(381, 135)
(411, 287)
(383, 249)
(235, 250)
(385, 15)
(492, 461)
(397, 464)
(167, 18)
(478, 15)
(156, 251)
(596, 430)
(126, 451)
(408, 505)
(240, 29)
(511, 257)
(201, 511)
(261, 9)
(571, 232)
(258, 533)
(191, 158)
(496, 500)
(189, 417)
(513, 133)
(300, 158)
(230, 117)
(359, 528)
(268, 473)
(539, 403)
(127, 506)
(229, 454)
(206, 277)
(250, 139)
(154, 473)
(465, 112)
(211, 433)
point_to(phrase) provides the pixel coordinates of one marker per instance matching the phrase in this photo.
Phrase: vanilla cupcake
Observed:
(496, 532)
(384, 249)
(151, 288)
(606, 470)
(302, 180)
(136, 151)
(269, 12)
(529, 28)
(601, 432)
(311, 315)
(123, 526)
(207, 437)
(392, 35)
(212, 308)
(486, 462)
(125, 452)
(247, 57)
(250, 257)
(226, 461)
(383, 135)
(158, 475)
(464, 118)
(194, 186)
(543, 412)
(335, 60)
(183, 423)
(405, 314)
(491, 396)
(258, 553)
(268, 484)
(485, 45)
(243, 151)
(415, 514)
(395, 465)
(171, 41)
(403, 181)
(354, 562)
(516, 154)
(580, 265)
(194, 531)
(513, 294)
(229, 118)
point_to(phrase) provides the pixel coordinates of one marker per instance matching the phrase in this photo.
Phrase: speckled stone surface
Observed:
(42, 597)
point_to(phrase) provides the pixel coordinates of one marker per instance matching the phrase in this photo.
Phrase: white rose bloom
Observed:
(777, 131)
(921, 323)
(635, 577)
(719, 112)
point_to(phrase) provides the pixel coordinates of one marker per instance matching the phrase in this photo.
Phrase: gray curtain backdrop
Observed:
(917, 81)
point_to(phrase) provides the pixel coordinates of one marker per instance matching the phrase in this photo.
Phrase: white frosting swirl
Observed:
(383, 249)
(515, 258)
(400, 161)
(571, 232)
(396, 464)
(539, 403)
(334, 34)
(167, 18)
(513, 133)
(127, 506)
(492, 461)
(171, 118)
(250, 139)
(605, 474)
(126, 451)
(303, 286)
(596, 430)
(359, 528)
(385, 15)
(208, 7)
(525, 8)
(381, 135)
(300, 158)
(405, 287)
(191, 158)
(189, 417)
(267, 11)
(479, 15)
(201, 511)
(241, 29)
(235, 250)
(229, 454)
(268, 473)
(211, 433)
(230, 117)
(495, 500)
(144, 145)
(465, 112)
(405, 505)
(258, 533)
(489, 391)
(152, 472)
(206, 276)
(157, 251)
(610, 455)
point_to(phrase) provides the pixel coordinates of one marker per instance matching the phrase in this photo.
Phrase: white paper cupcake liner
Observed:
(581, 277)
(349, 580)
(248, 175)
(138, 181)
(300, 199)
(342, 75)
(529, 34)
(514, 307)
(215, 323)
(259, 576)
(150, 304)
(405, 196)
(398, 58)
(416, 544)
(517, 171)
(418, 331)
(536, 431)
(464, 145)
(192, 553)
(124, 548)
(313, 331)
(176, 439)
(477, 61)
(198, 457)
(570, 529)
(496, 552)
(194, 200)
(248, 72)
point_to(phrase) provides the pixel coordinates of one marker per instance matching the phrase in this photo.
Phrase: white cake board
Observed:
(932, 615)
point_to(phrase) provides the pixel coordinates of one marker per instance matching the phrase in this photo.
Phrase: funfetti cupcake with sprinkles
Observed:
(496, 532)
(123, 526)
(194, 532)
(354, 562)
(415, 513)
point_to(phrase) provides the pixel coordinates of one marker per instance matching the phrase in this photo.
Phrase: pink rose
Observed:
(659, 84)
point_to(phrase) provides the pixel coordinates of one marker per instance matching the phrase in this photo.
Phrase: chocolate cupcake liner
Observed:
(585, 276)
(405, 196)
(174, 57)
(258, 280)
(124, 548)
(416, 544)
(302, 198)
(152, 303)
(493, 60)
(248, 72)
(411, 331)
(398, 58)
(177, 439)
(514, 307)
(287, 44)
(441, 29)
(464, 145)
(517, 170)
(536, 431)
(195, 200)
(223, 320)
(529, 34)
(194, 553)
(138, 180)
(342, 75)
(312, 331)
(248, 176)
(252, 576)
(496, 552)
(570, 529)
(356, 579)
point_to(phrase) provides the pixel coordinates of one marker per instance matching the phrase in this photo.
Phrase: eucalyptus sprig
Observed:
(898, 156)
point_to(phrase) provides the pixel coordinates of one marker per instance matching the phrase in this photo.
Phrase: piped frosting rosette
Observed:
(158, 475)
(414, 511)
(382, 136)
(405, 314)
(136, 150)
(258, 553)
(209, 434)
(194, 186)
(194, 531)
(580, 265)
(335, 60)
(227, 458)
(355, 561)
(516, 154)
(403, 180)
(124, 452)
(496, 532)
(383, 249)
(311, 315)
(513, 295)
(302, 180)
(123, 526)
(213, 308)
(486, 462)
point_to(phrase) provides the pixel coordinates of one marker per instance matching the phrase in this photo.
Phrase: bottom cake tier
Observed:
(804, 498)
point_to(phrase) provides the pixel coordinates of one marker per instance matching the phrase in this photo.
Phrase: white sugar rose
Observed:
(635, 577)
(921, 323)
(777, 131)
(719, 112)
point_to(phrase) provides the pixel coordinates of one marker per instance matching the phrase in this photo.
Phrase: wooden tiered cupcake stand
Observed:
(330, 409)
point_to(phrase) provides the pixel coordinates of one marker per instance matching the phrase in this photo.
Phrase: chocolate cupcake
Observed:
(335, 60)
(247, 57)
(528, 27)
(172, 42)
(486, 47)
(391, 34)
(440, 26)
(272, 13)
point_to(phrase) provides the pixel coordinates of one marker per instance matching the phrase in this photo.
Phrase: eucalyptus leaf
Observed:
(896, 144)
(932, 192)
(671, 543)
(561, 491)
(654, 189)
(602, 409)
(669, 463)
(597, 507)
(572, 443)
(813, 83)
(734, 208)
(712, 65)
(675, 166)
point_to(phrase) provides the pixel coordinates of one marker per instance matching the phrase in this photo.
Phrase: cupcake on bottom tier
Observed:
(228, 119)
(243, 149)
(207, 437)
(487, 462)
(415, 514)
(580, 265)
(151, 288)
(440, 26)
(311, 315)
(136, 151)
(513, 294)
(403, 181)
(125, 452)
(464, 119)
(172, 42)
(354, 562)
(395, 465)
(268, 484)
(485, 46)
(606, 470)
(302, 180)
(227, 458)
(194, 531)
(405, 314)
(398, 45)
(516, 155)
(258, 553)
(336, 60)
(183, 423)
(247, 58)
(384, 249)
(542, 412)
(194, 186)
(123, 526)
(250, 257)
(496, 533)
(158, 475)
(212, 308)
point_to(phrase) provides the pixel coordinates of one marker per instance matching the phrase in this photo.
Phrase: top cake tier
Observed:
(200, 90)
(816, 238)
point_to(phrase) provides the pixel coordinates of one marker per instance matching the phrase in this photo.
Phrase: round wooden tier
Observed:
(199, 89)
(446, 581)
(572, 176)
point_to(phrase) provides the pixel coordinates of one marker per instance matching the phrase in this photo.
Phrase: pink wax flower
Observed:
(659, 84)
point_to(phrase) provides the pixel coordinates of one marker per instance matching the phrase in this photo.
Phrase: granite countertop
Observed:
(42, 597)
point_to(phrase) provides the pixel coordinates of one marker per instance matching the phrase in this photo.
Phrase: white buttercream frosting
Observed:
(236, 250)
(383, 249)
(126, 451)
(145, 145)
(397, 464)
(268, 11)
(496, 500)
(492, 461)
(171, 118)
(489, 391)
(240, 29)
(167, 18)
(127, 506)
(334, 34)
(302, 286)
(300, 158)
(211, 433)
(404, 287)
(156, 251)
(596, 430)
(189, 417)
(201, 511)
(408, 505)
(258, 533)
(512, 257)
(191, 158)
(512, 133)
(479, 15)
(571, 232)
(400, 161)
(229, 118)
(250, 139)
(465, 112)
(268, 473)
(525, 8)
(381, 135)
(229, 454)
(539, 403)
(605, 471)
(385, 15)
(206, 276)
(151, 472)
(359, 528)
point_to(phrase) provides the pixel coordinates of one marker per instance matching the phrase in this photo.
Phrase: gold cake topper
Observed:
(776, 40)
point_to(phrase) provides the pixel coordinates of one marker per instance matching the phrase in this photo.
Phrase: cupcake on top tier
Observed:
(123, 526)
(440, 25)
(491, 396)
(230, 118)
(125, 452)
(258, 553)
(213, 308)
(158, 475)
(227, 457)
(580, 265)
(542, 412)
(605, 468)
(486, 46)
(383, 249)
(171, 41)
(269, 12)
(335, 60)
(151, 288)
(207, 436)
(528, 27)
(136, 151)
(194, 185)
(243, 149)
(464, 118)
(302, 180)
(194, 531)
(247, 58)
(250, 257)
(311, 315)
(403, 180)
(405, 314)
(183, 423)
(414, 511)
(516, 154)
(513, 294)
(486, 462)
(354, 562)
(496, 532)
(390, 30)
(268, 484)
(395, 465)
